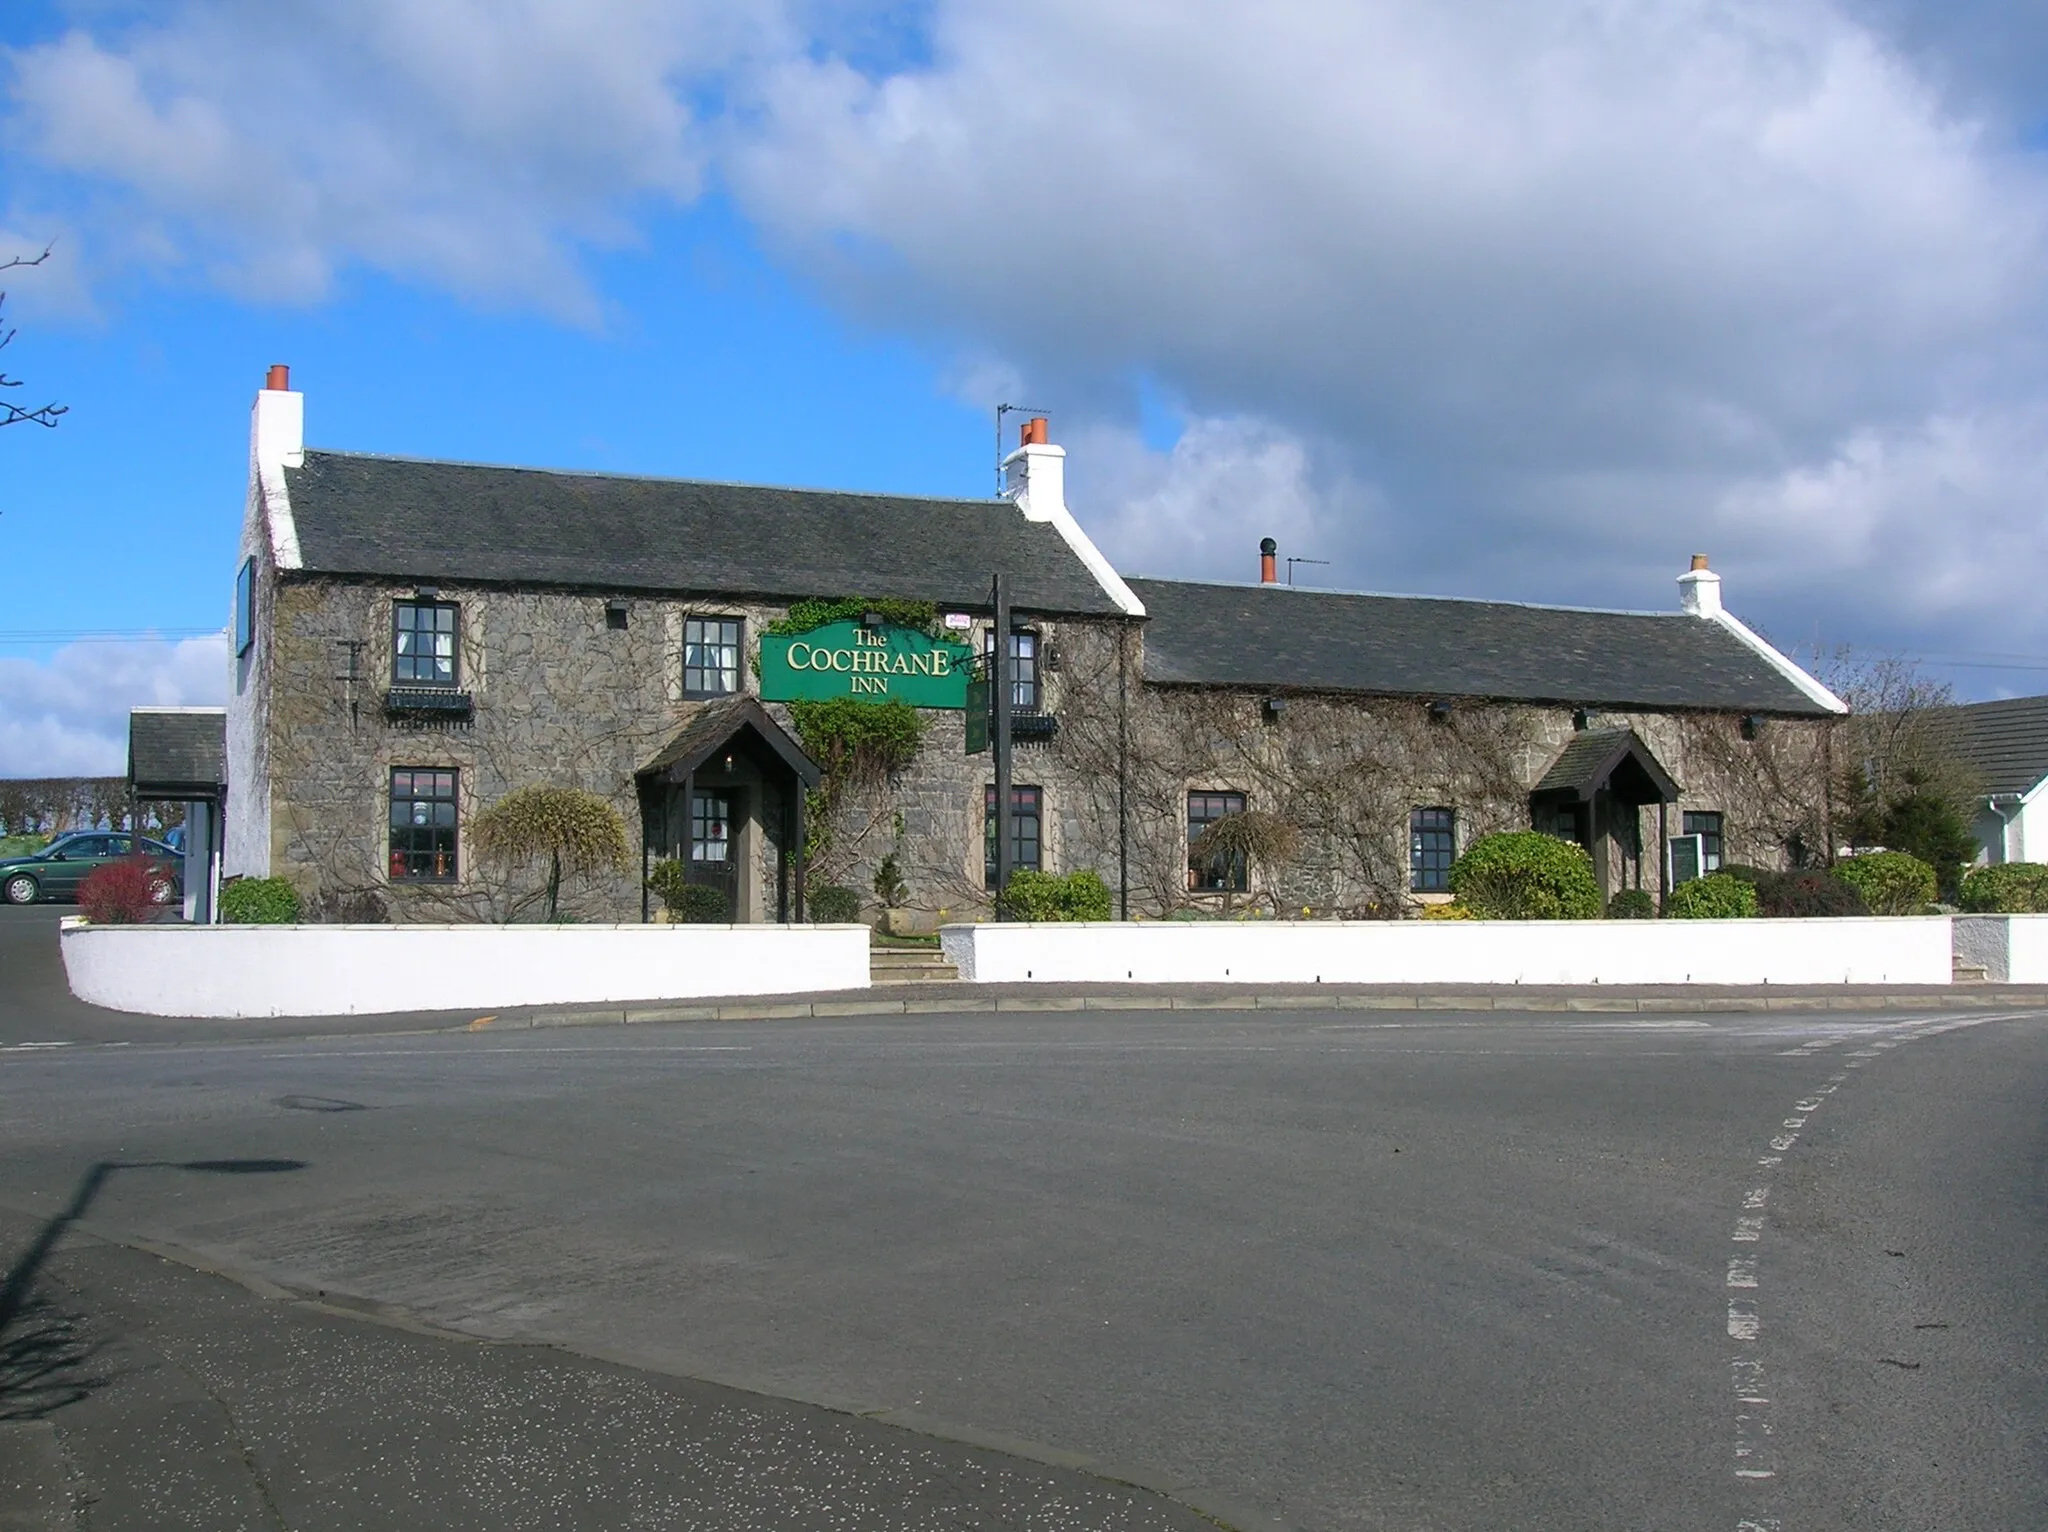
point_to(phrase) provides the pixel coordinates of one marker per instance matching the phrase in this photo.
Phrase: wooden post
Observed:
(797, 841)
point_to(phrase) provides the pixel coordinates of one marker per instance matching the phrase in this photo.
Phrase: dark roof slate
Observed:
(1431, 646)
(175, 750)
(1586, 764)
(716, 727)
(2007, 742)
(413, 519)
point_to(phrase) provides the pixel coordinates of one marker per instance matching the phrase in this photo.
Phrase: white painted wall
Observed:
(2012, 949)
(1856, 951)
(371, 970)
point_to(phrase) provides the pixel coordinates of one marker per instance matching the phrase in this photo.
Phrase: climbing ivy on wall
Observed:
(853, 743)
(816, 611)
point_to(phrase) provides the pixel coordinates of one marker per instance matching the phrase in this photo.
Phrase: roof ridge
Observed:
(991, 501)
(1387, 595)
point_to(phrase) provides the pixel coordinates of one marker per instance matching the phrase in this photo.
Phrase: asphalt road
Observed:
(1442, 1272)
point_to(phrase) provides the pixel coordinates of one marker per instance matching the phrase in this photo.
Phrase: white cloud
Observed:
(68, 716)
(473, 143)
(1490, 298)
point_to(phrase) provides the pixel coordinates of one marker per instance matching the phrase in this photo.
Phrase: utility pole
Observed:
(1000, 744)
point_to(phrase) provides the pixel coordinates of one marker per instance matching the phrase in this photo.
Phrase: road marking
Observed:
(1742, 1271)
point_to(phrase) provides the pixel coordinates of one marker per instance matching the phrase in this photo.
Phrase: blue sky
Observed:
(1462, 299)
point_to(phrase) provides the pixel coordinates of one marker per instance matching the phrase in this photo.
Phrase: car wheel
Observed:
(161, 892)
(22, 889)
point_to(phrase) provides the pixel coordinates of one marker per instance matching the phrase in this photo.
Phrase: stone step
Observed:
(1971, 973)
(909, 965)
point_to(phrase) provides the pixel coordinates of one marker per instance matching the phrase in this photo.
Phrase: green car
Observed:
(56, 871)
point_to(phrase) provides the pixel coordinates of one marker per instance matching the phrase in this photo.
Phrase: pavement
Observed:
(1317, 1267)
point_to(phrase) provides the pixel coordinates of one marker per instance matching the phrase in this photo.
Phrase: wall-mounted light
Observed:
(615, 614)
(1440, 711)
(1275, 706)
(427, 592)
(871, 619)
(1579, 719)
(1752, 725)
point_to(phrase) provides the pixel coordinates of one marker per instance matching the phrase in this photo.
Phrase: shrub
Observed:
(1929, 826)
(1891, 882)
(889, 887)
(564, 828)
(1526, 875)
(1451, 911)
(1714, 897)
(1632, 904)
(2007, 888)
(830, 904)
(1041, 896)
(1799, 895)
(124, 893)
(699, 905)
(1743, 873)
(259, 902)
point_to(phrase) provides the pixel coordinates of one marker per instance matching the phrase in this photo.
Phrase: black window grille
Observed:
(711, 829)
(1026, 818)
(1024, 689)
(1707, 826)
(422, 825)
(1223, 873)
(711, 656)
(423, 643)
(1432, 847)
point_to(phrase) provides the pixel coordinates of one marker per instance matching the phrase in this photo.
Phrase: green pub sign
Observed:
(844, 659)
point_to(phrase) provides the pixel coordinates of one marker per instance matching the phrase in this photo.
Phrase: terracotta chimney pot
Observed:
(280, 378)
(1699, 561)
(1269, 561)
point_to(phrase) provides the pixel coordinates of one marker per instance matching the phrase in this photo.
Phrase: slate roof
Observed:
(415, 519)
(174, 751)
(715, 727)
(2007, 742)
(1430, 646)
(1586, 764)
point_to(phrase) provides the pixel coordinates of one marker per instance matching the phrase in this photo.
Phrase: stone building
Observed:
(414, 639)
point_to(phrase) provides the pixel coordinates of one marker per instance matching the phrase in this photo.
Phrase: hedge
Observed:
(830, 904)
(1526, 875)
(259, 902)
(2007, 888)
(1804, 895)
(1632, 904)
(1714, 897)
(1041, 896)
(1891, 882)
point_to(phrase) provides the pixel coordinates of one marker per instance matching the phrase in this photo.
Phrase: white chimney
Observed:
(277, 425)
(1699, 589)
(1035, 475)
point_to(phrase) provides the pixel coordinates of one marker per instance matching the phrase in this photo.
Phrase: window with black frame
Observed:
(423, 826)
(1027, 806)
(1220, 874)
(1023, 668)
(1432, 847)
(1707, 826)
(424, 643)
(711, 656)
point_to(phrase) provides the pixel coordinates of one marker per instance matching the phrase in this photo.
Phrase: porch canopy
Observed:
(733, 740)
(1592, 792)
(179, 755)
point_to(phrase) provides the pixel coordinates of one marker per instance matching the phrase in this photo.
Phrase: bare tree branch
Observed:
(14, 414)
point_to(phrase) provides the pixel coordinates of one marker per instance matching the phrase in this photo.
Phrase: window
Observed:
(711, 656)
(711, 830)
(245, 607)
(1432, 847)
(1708, 828)
(1214, 874)
(422, 825)
(423, 643)
(1023, 668)
(1026, 810)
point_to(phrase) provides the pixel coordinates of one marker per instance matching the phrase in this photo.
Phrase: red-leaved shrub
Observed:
(123, 893)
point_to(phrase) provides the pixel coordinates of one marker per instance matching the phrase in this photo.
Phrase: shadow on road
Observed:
(45, 1357)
